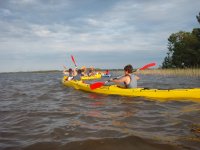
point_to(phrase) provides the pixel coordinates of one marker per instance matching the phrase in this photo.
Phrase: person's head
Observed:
(83, 67)
(128, 68)
(79, 71)
(70, 70)
(91, 68)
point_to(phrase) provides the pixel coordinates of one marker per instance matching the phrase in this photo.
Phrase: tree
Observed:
(184, 49)
(167, 61)
(198, 18)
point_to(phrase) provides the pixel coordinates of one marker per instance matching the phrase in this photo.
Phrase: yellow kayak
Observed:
(96, 76)
(137, 92)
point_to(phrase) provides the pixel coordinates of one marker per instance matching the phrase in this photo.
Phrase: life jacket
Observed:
(77, 77)
(133, 82)
(70, 74)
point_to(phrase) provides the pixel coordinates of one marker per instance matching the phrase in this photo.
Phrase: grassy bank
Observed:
(173, 72)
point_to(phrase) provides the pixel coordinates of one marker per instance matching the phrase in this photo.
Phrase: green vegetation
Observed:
(184, 49)
(189, 72)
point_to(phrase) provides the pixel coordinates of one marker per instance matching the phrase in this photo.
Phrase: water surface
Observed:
(38, 112)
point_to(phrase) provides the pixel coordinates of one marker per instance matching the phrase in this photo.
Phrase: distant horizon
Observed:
(55, 70)
(103, 69)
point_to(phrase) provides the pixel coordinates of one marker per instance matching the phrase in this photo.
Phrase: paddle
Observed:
(100, 84)
(147, 66)
(74, 61)
(64, 67)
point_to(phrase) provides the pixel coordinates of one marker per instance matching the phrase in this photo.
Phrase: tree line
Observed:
(183, 49)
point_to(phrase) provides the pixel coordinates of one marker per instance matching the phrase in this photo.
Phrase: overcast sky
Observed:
(42, 34)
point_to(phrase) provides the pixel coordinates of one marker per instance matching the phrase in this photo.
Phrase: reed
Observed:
(173, 72)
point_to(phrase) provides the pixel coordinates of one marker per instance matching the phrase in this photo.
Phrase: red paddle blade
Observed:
(96, 85)
(148, 66)
(73, 59)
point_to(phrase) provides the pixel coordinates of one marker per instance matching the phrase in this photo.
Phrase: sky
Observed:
(42, 34)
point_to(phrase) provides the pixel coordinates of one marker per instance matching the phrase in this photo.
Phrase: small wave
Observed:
(127, 143)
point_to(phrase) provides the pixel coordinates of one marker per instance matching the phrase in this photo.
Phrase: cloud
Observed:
(56, 26)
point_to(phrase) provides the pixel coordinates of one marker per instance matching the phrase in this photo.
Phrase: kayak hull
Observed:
(137, 92)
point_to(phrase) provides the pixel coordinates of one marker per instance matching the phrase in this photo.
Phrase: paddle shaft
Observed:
(100, 84)
(142, 68)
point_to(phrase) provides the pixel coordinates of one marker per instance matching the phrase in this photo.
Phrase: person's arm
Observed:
(64, 72)
(137, 78)
(74, 72)
(120, 80)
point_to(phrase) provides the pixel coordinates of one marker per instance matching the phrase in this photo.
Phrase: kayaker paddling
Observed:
(79, 75)
(84, 70)
(129, 80)
(107, 72)
(71, 74)
(154, 94)
(91, 71)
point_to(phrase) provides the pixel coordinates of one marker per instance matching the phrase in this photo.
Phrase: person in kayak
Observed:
(79, 75)
(71, 74)
(91, 71)
(84, 70)
(107, 72)
(129, 80)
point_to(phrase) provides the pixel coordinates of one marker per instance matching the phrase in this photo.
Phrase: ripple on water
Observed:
(38, 112)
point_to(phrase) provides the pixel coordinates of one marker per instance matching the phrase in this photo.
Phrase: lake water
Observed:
(38, 112)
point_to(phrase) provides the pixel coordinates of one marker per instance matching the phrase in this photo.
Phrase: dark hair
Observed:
(70, 69)
(79, 71)
(128, 68)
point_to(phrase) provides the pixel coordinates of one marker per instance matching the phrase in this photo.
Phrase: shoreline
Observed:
(172, 72)
(190, 72)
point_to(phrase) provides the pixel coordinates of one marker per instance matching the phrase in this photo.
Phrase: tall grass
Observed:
(173, 72)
